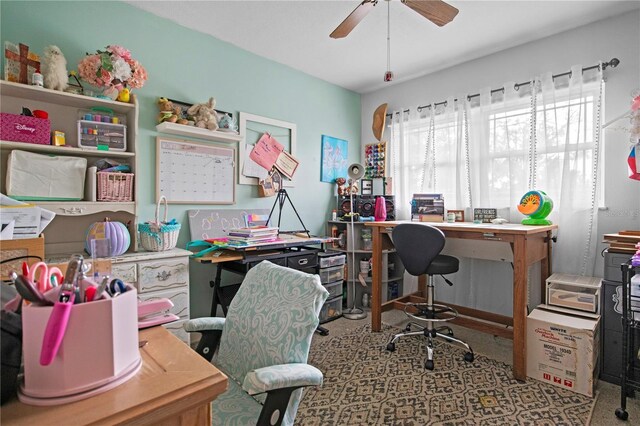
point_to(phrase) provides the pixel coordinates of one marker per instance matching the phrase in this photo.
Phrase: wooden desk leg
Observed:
(520, 307)
(376, 278)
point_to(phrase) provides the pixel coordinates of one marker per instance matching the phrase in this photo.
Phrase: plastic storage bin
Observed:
(327, 260)
(332, 309)
(334, 289)
(330, 275)
(574, 292)
(102, 135)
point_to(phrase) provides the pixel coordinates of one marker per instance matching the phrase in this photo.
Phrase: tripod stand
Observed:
(280, 200)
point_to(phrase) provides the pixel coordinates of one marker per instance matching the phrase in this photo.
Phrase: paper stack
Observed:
(22, 220)
(253, 235)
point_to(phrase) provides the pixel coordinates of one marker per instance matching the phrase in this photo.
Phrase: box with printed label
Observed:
(21, 128)
(563, 350)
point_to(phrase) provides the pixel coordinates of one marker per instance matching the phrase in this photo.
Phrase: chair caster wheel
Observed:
(429, 365)
(621, 414)
(434, 333)
(391, 347)
(468, 357)
(407, 328)
(450, 333)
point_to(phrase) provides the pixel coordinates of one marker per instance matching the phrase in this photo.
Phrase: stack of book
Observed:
(253, 235)
(623, 241)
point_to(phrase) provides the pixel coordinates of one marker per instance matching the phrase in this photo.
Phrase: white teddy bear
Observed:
(204, 115)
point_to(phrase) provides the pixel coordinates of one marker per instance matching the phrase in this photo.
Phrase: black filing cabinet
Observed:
(611, 311)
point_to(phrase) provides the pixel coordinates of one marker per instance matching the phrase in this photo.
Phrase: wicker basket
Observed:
(115, 186)
(157, 236)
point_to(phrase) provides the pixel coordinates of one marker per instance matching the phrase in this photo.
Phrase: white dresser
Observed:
(156, 275)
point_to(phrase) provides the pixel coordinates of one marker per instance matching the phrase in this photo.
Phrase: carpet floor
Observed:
(364, 384)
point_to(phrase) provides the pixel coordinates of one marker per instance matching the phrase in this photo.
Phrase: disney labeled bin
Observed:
(99, 350)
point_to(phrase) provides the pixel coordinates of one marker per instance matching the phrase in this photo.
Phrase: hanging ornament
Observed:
(388, 76)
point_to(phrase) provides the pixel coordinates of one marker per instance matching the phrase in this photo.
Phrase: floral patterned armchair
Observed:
(264, 345)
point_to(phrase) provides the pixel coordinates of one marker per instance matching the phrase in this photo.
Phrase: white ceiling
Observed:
(296, 33)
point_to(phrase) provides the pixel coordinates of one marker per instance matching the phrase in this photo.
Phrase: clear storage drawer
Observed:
(329, 275)
(327, 260)
(331, 309)
(334, 289)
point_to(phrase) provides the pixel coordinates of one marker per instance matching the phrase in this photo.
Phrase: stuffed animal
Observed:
(341, 188)
(167, 111)
(204, 115)
(54, 69)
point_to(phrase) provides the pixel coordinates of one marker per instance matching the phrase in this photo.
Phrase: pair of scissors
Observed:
(44, 282)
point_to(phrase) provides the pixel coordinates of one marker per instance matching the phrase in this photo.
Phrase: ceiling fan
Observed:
(437, 11)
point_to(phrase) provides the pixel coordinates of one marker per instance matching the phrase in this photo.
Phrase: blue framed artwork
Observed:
(334, 159)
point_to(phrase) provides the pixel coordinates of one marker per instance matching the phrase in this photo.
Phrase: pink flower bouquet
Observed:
(113, 67)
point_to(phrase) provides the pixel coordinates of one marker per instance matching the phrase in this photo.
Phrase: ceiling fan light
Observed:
(388, 76)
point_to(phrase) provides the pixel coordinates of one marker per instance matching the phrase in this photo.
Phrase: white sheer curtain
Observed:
(489, 150)
(567, 163)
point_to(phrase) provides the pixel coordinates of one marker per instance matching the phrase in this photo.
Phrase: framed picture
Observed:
(459, 214)
(184, 106)
(367, 186)
(334, 159)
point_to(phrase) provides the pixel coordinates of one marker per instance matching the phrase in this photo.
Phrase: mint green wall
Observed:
(191, 66)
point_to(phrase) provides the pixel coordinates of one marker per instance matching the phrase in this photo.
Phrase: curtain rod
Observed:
(614, 62)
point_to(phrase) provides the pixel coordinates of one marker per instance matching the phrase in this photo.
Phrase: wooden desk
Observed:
(174, 386)
(530, 244)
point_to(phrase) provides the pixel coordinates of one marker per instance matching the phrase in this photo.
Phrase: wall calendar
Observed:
(195, 173)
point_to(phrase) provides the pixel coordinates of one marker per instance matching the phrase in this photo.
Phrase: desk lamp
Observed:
(355, 172)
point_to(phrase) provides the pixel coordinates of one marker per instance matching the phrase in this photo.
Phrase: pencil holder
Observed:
(159, 236)
(98, 352)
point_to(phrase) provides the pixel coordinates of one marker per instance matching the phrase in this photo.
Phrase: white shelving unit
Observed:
(154, 274)
(197, 132)
(66, 234)
(392, 268)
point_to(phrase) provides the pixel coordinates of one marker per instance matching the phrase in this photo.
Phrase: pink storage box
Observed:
(20, 128)
(99, 350)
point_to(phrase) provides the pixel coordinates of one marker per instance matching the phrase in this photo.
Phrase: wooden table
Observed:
(529, 244)
(174, 386)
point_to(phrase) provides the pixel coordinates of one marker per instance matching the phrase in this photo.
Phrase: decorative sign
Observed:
(19, 64)
(485, 215)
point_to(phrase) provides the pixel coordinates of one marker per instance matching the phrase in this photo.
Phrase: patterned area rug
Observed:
(364, 384)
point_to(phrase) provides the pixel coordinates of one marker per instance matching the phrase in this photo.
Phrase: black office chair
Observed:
(419, 248)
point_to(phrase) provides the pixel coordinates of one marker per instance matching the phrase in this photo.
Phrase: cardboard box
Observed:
(20, 128)
(563, 350)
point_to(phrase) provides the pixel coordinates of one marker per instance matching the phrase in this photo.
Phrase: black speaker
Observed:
(344, 206)
(366, 206)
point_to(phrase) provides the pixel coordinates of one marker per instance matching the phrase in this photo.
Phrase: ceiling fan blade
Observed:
(438, 12)
(353, 19)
